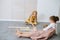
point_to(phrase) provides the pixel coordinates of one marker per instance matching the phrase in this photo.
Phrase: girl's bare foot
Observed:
(19, 34)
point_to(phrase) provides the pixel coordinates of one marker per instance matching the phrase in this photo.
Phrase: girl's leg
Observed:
(23, 34)
(18, 33)
(26, 34)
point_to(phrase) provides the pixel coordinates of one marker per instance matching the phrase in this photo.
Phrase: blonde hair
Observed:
(34, 12)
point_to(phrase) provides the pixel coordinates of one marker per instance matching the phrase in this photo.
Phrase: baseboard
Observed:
(21, 20)
(17, 20)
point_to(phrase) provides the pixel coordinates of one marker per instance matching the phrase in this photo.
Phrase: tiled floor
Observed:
(7, 33)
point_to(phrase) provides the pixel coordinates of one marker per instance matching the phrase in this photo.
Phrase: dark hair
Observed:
(54, 18)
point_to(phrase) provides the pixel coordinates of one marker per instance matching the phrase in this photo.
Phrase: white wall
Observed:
(5, 9)
(21, 9)
(16, 9)
(46, 8)
(30, 5)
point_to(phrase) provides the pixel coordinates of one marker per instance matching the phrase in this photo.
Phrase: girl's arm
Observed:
(48, 27)
(35, 18)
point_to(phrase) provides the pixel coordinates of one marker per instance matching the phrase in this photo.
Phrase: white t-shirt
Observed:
(52, 25)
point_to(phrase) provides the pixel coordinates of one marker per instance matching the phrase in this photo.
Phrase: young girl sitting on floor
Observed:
(32, 19)
(41, 34)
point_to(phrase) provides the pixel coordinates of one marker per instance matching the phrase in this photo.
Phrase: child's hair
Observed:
(54, 18)
(35, 12)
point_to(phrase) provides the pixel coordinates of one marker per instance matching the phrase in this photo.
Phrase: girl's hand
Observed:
(33, 25)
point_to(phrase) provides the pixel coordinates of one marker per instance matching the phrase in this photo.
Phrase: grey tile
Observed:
(9, 34)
